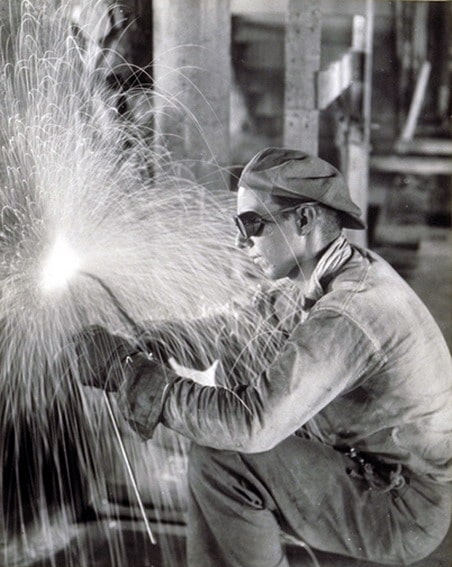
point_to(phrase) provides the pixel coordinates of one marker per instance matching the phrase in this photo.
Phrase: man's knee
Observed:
(204, 465)
(223, 475)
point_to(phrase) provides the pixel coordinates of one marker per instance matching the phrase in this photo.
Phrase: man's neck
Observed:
(306, 266)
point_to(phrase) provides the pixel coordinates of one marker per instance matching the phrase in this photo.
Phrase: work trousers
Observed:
(240, 503)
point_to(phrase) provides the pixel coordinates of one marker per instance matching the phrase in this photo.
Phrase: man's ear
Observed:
(305, 217)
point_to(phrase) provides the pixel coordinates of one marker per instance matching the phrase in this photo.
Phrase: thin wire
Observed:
(129, 468)
(137, 329)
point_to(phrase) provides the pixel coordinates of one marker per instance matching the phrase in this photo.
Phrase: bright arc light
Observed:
(60, 266)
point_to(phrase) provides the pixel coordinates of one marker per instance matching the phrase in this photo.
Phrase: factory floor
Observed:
(423, 256)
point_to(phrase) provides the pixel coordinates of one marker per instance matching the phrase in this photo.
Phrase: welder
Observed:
(339, 434)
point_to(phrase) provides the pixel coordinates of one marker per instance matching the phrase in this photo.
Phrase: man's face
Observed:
(277, 247)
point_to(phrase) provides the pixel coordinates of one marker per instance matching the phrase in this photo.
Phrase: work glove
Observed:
(101, 357)
(155, 348)
(142, 396)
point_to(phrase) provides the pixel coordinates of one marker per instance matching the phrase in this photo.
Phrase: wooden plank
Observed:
(418, 165)
(368, 73)
(355, 154)
(334, 80)
(356, 173)
(425, 146)
(416, 103)
(362, 43)
(302, 56)
(420, 33)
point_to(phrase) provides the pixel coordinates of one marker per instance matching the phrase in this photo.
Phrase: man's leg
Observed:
(231, 519)
(240, 503)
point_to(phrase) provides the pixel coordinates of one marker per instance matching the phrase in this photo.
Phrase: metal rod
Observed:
(129, 467)
(137, 329)
(114, 299)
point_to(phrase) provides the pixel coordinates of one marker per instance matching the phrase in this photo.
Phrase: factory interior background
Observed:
(366, 84)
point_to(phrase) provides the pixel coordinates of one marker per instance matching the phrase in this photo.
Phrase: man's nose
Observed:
(241, 242)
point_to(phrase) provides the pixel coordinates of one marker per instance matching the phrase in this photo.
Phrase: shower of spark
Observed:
(83, 191)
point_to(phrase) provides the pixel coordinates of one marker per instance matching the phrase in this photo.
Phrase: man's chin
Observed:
(272, 274)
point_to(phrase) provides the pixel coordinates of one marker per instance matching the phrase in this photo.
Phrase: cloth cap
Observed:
(295, 174)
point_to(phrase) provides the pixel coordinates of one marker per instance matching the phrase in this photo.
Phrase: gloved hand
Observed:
(101, 357)
(155, 348)
(142, 397)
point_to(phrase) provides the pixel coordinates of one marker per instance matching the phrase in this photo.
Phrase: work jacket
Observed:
(359, 365)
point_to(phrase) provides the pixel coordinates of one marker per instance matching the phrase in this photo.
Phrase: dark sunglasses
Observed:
(250, 223)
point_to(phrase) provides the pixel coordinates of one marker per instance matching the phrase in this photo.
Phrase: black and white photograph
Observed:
(225, 283)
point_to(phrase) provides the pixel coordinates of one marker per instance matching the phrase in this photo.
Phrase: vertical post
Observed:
(142, 40)
(10, 16)
(420, 34)
(356, 166)
(302, 54)
(192, 77)
(403, 62)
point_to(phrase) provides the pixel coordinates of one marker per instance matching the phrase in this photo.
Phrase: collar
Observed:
(334, 257)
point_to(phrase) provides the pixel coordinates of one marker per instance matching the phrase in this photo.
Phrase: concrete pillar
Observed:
(192, 74)
(302, 53)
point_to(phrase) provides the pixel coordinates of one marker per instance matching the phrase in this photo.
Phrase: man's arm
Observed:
(323, 357)
(244, 340)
